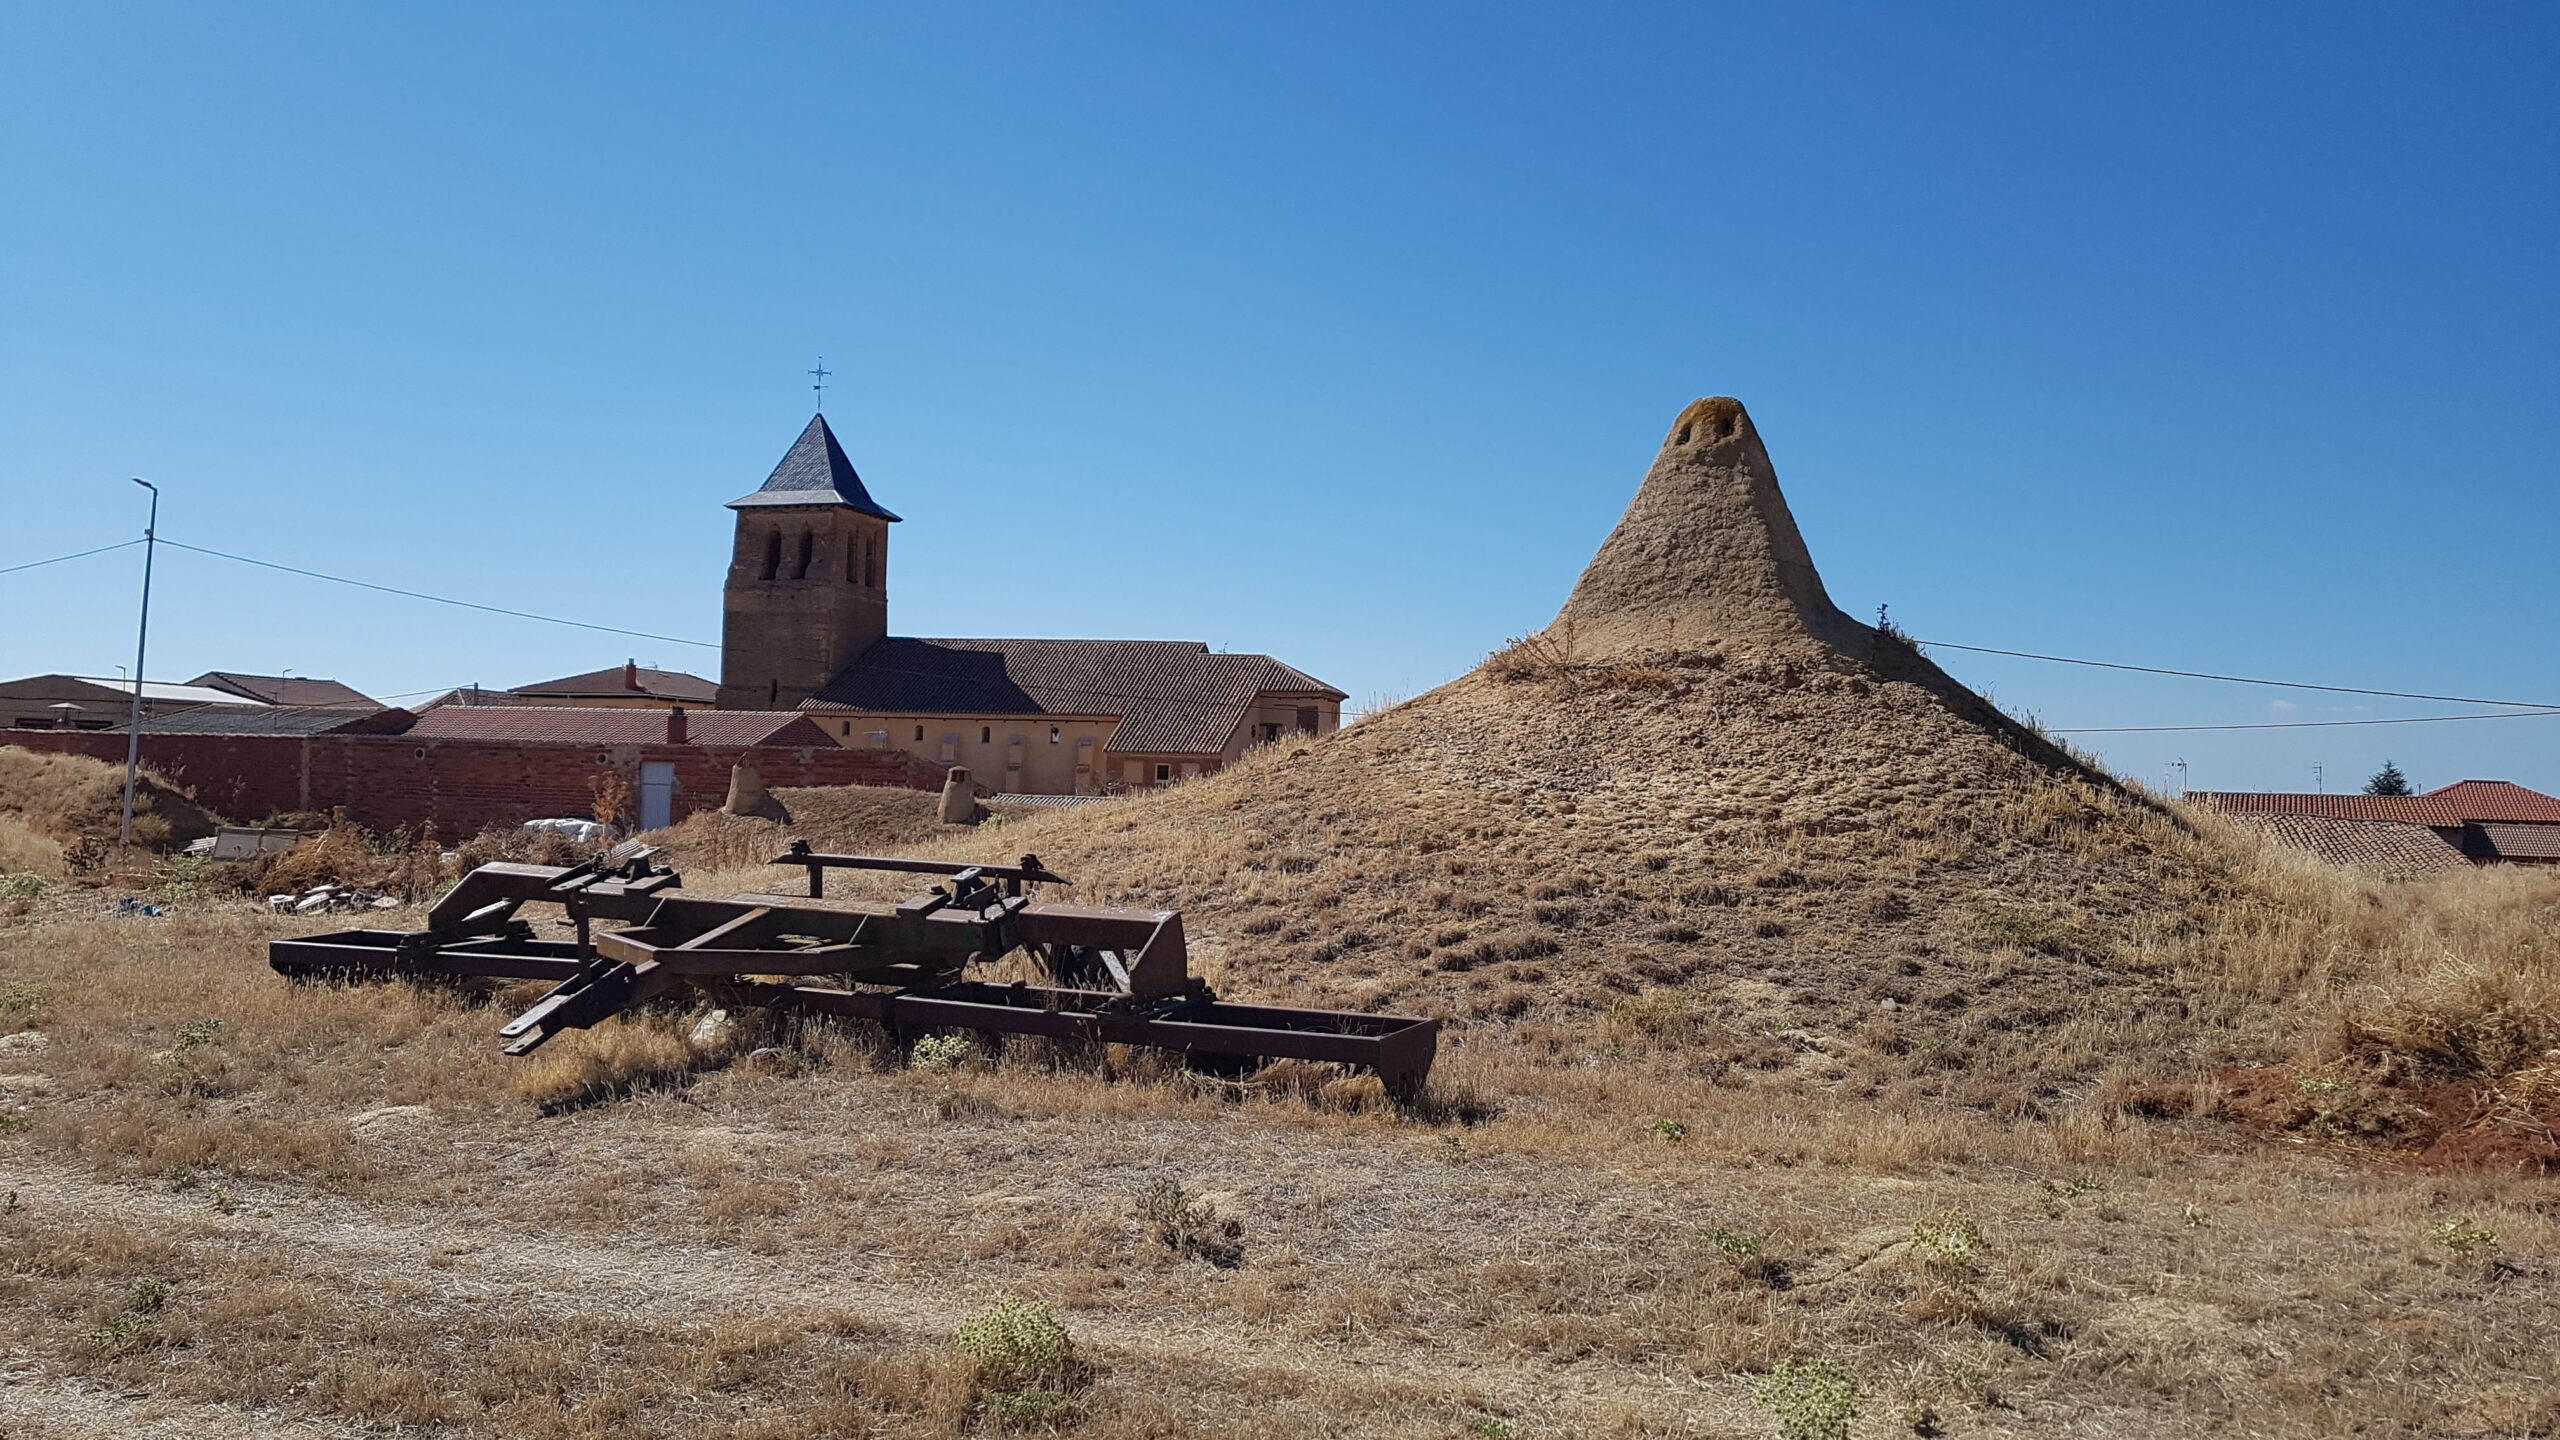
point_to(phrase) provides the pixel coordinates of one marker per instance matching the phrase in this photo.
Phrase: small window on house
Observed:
(848, 727)
(871, 563)
(919, 733)
(1164, 773)
(1270, 733)
(772, 555)
(1053, 734)
(986, 734)
(808, 552)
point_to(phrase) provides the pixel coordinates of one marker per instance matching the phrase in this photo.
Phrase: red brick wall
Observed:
(387, 782)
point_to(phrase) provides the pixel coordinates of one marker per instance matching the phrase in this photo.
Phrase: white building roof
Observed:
(162, 692)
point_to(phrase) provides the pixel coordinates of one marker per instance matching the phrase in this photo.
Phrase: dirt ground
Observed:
(246, 1229)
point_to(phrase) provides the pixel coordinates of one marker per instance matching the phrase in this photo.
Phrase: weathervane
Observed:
(822, 372)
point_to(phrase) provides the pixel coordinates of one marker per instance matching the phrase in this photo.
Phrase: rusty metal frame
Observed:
(901, 966)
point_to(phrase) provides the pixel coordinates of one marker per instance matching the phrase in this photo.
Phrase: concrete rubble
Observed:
(331, 899)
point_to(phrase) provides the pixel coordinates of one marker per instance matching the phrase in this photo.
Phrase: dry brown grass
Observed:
(625, 1054)
(855, 819)
(27, 850)
(783, 1248)
(61, 800)
(1780, 842)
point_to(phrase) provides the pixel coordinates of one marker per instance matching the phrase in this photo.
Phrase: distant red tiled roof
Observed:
(2522, 841)
(2388, 846)
(2461, 803)
(622, 680)
(288, 690)
(2407, 809)
(578, 725)
(2498, 800)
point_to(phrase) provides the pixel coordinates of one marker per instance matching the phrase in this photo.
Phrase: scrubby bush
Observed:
(1951, 1244)
(1026, 1363)
(943, 1054)
(1813, 1399)
(1189, 1225)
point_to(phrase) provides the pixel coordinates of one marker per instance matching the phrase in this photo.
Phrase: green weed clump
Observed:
(1951, 1244)
(2463, 1237)
(942, 1054)
(1813, 1399)
(1027, 1369)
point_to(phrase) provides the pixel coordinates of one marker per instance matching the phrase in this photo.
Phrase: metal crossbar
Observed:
(1119, 977)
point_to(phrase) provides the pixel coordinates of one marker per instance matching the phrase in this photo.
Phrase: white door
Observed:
(657, 794)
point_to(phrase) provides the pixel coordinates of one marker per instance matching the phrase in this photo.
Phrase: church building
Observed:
(807, 626)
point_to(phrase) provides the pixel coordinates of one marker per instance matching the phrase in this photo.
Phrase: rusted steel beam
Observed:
(750, 951)
(818, 862)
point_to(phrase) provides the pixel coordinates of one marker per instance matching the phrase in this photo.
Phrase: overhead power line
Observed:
(2517, 709)
(79, 555)
(439, 599)
(2303, 724)
(2240, 679)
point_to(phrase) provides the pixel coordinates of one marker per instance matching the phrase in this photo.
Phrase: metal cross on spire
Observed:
(822, 372)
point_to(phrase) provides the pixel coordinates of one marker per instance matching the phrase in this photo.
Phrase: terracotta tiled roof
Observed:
(1173, 697)
(2453, 805)
(288, 690)
(628, 680)
(2498, 800)
(2522, 841)
(2407, 809)
(2389, 846)
(579, 725)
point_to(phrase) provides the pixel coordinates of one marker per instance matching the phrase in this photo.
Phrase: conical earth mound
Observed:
(1708, 554)
(1703, 799)
(1707, 551)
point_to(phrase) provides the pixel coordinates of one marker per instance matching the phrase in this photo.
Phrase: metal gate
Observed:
(657, 794)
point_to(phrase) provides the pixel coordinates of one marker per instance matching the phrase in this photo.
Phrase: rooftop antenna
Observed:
(2317, 788)
(822, 372)
(2181, 767)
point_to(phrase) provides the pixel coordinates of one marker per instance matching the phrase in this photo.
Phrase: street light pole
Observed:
(142, 637)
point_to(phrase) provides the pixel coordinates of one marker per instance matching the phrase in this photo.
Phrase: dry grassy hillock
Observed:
(1783, 864)
(1706, 806)
(53, 803)
(854, 819)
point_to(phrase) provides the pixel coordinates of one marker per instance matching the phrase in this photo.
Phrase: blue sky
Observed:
(2218, 338)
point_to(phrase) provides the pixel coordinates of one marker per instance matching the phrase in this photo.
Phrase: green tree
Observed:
(2387, 781)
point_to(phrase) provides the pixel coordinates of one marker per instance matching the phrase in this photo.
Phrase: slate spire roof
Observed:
(814, 472)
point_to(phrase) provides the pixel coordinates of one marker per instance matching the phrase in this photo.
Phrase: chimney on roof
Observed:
(675, 726)
(630, 674)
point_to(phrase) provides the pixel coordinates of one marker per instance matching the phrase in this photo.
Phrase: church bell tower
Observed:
(808, 586)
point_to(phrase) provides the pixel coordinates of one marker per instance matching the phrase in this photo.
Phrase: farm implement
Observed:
(1115, 977)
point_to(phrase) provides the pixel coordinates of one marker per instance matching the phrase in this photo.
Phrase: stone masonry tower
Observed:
(808, 583)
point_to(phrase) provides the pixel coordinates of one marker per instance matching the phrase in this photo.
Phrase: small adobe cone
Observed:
(1707, 551)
